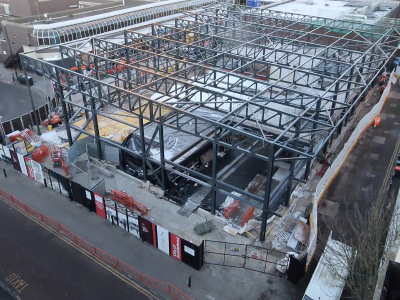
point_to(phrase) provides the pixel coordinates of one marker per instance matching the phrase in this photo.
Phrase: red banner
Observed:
(146, 230)
(154, 235)
(100, 209)
(29, 167)
(176, 246)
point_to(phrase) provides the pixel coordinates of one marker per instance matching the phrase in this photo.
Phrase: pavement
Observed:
(36, 264)
(237, 283)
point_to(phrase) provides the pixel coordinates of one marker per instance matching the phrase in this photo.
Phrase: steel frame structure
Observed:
(283, 83)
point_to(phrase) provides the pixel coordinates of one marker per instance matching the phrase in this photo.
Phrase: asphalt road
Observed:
(15, 100)
(36, 264)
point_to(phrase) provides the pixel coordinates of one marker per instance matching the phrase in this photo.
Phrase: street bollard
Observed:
(5, 174)
(190, 281)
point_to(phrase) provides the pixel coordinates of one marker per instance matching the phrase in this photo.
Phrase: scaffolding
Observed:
(272, 85)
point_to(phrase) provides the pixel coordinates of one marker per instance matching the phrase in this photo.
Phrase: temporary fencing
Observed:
(167, 291)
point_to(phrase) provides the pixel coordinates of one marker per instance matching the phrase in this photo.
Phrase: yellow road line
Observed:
(124, 278)
(389, 171)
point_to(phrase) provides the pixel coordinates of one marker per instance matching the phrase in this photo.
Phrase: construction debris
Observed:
(204, 228)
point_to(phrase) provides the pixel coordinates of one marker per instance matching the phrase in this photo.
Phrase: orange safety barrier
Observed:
(128, 201)
(247, 215)
(231, 208)
(40, 153)
(23, 135)
(155, 285)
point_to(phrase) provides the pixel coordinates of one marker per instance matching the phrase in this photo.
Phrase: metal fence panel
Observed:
(250, 257)
(26, 119)
(17, 125)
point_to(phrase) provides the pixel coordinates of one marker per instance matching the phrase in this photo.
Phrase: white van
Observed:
(329, 278)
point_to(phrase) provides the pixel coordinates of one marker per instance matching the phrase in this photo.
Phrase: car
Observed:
(22, 80)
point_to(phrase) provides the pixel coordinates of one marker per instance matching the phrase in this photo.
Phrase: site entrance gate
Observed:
(254, 258)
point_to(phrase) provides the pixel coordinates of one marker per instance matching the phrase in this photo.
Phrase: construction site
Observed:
(219, 114)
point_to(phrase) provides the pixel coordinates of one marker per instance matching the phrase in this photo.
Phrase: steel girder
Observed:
(219, 61)
(287, 16)
(203, 74)
(358, 62)
(94, 92)
(163, 85)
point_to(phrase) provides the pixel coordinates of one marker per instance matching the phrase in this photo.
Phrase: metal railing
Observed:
(24, 121)
(167, 291)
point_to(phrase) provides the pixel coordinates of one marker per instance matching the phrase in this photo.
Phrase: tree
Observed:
(369, 233)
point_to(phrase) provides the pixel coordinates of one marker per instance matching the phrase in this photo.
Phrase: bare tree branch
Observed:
(369, 233)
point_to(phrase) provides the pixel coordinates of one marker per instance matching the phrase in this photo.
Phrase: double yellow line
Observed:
(99, 261)
(389, 172)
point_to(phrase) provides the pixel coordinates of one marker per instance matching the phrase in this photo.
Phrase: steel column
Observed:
(162, 162)
(64, 108)
(35, 113)
(268, 183)
(214, 180)
(292, 165)
(143, 148)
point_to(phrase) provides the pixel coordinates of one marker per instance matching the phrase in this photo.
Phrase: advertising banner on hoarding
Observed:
(52, 178)
(100, 209)
(20, 148)
(22, 164)
(192, 254)
(111, 214)
(37, 168)
(29, 167)
(15, 161)
(146, 230)
(122, 222)
(133, 226)
(5, 155)
(65, 186)
(176, 246)
(163, 239)
(6, 152)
